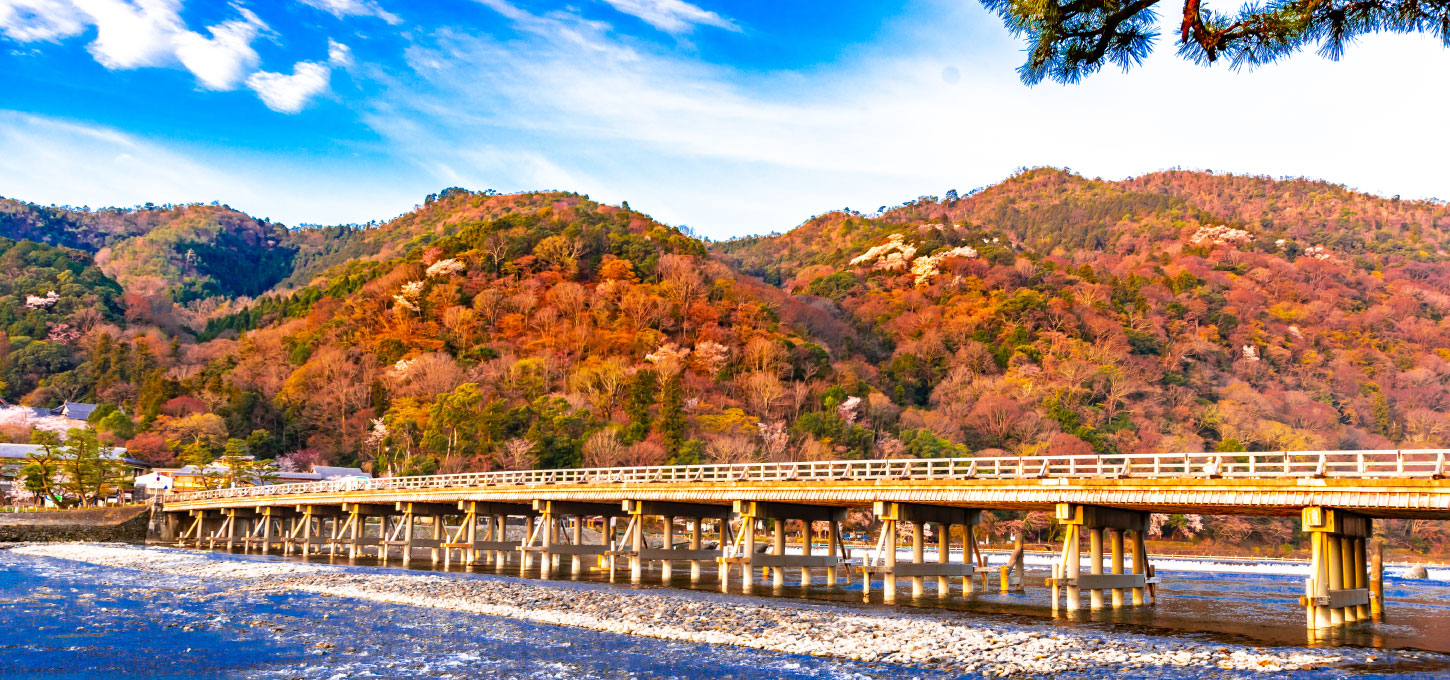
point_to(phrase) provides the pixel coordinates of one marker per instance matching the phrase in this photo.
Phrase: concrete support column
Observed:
(408, 521)
(231, 531)
(969, 548)
(723, 566)
(1117, 548)
(576, 565)
(918, 555)
(807, 540)
(437, 538)
(1361, 579)
(1377, 580)
(1095, 564)
(777, 575)
(266, 533)
(636, 543)
(501, 527)
(1319, 550)
(547, 530)
(943, 556)
(1073, 567)
(1333, 564)
(1140, 566)
(666, 567)
(695, 536)
(470, 536)
(889, 586)
(833, 547)
(747, 574)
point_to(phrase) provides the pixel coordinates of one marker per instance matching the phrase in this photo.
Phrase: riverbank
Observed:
(926, 640)
(122, 524)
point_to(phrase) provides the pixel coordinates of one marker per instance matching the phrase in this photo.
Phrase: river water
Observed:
(62, 619)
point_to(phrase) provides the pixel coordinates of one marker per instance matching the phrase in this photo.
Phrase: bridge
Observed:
(739, 519)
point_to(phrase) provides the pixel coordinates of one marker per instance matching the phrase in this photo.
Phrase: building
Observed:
(194, 478)
(13, 457)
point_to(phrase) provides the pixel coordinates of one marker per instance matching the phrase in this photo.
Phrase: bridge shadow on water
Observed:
(1256, 609)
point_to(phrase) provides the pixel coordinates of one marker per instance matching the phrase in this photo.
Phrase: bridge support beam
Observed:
(196, 529)
(641, 555)
(918, 516)
(354, 531)
(1124, 528)
(559, 531)
(492, 545)
(1337, 591)
(743, 551)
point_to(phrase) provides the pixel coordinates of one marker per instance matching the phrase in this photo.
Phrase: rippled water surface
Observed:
(62, 620)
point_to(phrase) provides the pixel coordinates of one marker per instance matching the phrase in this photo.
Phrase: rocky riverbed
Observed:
(938, 641)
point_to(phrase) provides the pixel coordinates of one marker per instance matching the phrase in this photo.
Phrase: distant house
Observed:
(74, 410)
(193, 478)
(71, 414)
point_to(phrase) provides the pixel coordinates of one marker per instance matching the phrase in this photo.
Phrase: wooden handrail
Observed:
(1381, 464)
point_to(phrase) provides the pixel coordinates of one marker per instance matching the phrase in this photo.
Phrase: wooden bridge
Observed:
(612, 518)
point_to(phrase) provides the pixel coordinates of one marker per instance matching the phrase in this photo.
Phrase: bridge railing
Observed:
(1379, 464)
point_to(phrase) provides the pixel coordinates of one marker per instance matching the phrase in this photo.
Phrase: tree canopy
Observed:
(1071, 39)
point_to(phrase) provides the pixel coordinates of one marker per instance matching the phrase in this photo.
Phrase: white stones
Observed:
(925, 639)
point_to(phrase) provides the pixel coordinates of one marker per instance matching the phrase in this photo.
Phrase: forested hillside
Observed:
(1179, 311)
(192, 257)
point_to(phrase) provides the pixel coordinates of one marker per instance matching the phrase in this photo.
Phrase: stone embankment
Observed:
(125, 524)
(947, 642)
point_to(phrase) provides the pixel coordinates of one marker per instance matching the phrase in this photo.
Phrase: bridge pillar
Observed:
(1094, 520)
(194, 529)
(354, 531)
(884, 561)
(1336, 592)
(742, 551)
(560, 532)
(641, 555)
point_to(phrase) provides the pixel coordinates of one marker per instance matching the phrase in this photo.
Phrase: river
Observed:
(64, 619)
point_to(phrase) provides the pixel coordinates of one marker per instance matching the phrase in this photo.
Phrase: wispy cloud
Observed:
(40, 20)
(732, 152)
(50, 160)
(672, 16)
(354, 8)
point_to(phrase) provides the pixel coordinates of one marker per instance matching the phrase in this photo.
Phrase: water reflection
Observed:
(1242, 608)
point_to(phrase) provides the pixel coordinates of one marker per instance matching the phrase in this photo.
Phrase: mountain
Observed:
(1176, 311)
(186, 252)
(1050, 313)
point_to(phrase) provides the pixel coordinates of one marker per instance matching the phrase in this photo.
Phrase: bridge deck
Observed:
(1407, 484)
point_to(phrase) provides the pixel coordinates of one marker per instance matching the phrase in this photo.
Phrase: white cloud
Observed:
(338, 54)
(222, 61)
(35, 20)
(290, 93)
(672, 16)
(132, 35)
(354, 8)
(732, 152)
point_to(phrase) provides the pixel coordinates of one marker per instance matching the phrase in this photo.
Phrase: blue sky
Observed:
(732, 118)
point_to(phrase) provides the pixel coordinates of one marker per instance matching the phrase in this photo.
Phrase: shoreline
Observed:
(918, 639)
